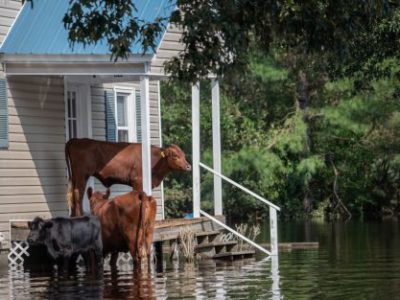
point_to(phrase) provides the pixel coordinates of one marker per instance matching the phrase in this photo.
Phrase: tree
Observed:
(218, 33)
(324, 74)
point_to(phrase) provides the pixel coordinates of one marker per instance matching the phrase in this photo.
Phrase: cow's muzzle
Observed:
(188, 167)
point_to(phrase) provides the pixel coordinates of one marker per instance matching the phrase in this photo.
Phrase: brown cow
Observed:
(127, 222)
(113, 163)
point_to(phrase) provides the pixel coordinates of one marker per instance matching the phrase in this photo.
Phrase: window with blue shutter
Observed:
(120, 126)
(111, 128)
(3, 114)
(138, 117)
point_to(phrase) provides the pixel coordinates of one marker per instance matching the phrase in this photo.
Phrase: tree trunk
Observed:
(303, 101)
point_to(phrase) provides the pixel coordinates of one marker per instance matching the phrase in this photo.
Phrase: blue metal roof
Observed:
(40, 29)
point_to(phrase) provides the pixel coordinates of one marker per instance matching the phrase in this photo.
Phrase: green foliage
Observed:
(339, 37)
(287, 154)
(90, 21)
(310, 112)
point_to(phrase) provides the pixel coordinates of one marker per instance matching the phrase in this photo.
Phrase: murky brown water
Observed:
(354, 261)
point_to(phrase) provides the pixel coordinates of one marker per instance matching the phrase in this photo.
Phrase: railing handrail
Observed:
(235, 232)
(240, 186)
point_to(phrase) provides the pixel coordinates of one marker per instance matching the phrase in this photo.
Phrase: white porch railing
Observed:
(272, 215)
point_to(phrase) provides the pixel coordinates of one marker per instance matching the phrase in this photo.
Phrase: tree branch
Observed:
(338, 199)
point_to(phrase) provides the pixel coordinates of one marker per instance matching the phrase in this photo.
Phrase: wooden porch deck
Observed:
(209, 243)
(165, 230)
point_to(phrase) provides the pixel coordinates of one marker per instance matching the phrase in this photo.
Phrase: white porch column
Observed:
(161, 143)
(216, 147)
(146, 148)
(196, 148)
(273, 227)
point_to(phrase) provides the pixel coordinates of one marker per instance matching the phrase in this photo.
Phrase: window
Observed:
(71, 114)
(122, 117)
(125, 115)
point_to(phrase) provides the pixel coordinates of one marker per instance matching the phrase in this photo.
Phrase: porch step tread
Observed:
(234, 254)
(205, 233)
(216, 244)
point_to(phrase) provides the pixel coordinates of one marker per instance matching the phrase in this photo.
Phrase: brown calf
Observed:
(127, 222)
(113, 163)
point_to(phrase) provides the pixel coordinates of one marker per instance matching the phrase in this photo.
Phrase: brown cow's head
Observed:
(143, 197)
(96, 196)
(176, 159)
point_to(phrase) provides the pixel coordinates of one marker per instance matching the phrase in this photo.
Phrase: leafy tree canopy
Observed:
(347, 35)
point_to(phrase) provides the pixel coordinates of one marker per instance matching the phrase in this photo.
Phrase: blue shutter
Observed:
(3, 114)
(111, 125)
(138, 117)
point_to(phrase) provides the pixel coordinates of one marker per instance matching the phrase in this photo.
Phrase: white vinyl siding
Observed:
(170, 46)
(32, 169)
(8, 11)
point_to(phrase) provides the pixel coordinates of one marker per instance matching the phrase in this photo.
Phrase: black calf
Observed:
(66, 238)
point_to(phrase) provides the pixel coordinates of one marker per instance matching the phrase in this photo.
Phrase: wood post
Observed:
(146, 142)
(216, 131)
(196, 148)
(158, 248)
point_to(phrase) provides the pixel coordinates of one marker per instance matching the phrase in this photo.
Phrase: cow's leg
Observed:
(148, 240)
(79, 190)
(93, 261)
(66, 263)
(113, 260)
(99, 258)
(86, 259)
(150, 221)
(135, 253)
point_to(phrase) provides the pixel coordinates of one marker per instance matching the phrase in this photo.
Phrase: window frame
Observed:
(131, 113)
(70, 109)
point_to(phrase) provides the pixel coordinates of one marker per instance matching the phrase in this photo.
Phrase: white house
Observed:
(50, 92)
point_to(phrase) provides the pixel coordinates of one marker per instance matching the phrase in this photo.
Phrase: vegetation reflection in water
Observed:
(354, 261)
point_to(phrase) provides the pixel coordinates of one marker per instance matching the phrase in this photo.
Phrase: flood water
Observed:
(354, 261)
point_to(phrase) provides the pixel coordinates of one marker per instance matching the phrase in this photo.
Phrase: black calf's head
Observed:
(38, 232)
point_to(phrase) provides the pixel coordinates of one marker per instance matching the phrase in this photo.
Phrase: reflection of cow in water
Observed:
(115, 163)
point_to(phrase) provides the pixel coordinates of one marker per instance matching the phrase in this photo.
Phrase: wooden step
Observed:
(215, 244)
(206, 237)
(207, 233)
(234, 255)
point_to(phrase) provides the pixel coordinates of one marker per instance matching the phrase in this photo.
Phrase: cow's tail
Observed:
(70, 190)
(142, 229)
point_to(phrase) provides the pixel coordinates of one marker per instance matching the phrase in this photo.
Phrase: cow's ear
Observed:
(89, 192)
(107, 194)
(30, 225)
(141, 195)
(168, 152)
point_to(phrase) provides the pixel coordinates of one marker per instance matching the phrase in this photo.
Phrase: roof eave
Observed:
(73, 58)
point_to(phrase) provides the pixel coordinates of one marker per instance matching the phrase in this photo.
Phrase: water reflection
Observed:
(354, 261)
(133, 285)
(276, 291)
(202, 280)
